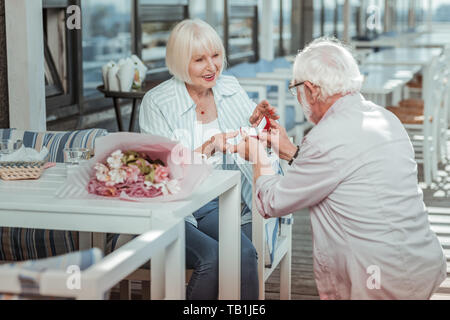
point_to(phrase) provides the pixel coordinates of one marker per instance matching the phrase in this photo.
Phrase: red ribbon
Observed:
(267, 126)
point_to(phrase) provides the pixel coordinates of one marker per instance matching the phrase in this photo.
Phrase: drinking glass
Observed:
(75, 156)
(8, 146)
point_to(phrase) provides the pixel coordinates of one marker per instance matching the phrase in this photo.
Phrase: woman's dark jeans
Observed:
(202, 255)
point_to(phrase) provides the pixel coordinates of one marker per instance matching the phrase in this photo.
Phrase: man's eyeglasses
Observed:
(293, 88)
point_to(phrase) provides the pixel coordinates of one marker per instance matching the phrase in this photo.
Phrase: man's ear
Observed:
(314, 93)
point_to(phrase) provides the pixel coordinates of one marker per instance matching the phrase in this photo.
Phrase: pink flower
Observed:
(100, 188)
(115, 160)
(117, 176)
(133, 173)
(161, 174)
(101, 172)
(114, 176)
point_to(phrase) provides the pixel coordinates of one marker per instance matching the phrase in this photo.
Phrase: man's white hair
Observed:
(328, 64)
(187, 38)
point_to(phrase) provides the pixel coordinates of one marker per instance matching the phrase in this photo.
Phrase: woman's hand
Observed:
(251, 149)
(219, 141)
(278, 140)
(263, 109)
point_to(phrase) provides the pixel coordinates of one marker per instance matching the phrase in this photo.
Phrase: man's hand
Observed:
(263, 109)
(251, 149)
(278, 140)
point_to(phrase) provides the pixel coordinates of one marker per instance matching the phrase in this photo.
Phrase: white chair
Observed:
(282, 252)
(423, 129)
(444, 108)
(57, 276)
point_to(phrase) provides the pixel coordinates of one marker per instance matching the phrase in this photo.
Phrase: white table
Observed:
(404, 56)
(32, 204)
(399, 40)
(432, 40)
(381, 81)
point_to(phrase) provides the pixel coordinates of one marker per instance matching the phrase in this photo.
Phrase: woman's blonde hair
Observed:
(186, 39)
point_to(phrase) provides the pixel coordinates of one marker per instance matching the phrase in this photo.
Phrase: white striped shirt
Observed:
(168, 110)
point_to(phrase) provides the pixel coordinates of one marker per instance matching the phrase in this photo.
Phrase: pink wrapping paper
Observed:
(186, 166)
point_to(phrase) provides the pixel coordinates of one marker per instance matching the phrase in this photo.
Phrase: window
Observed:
(60, 62)
(401, 18)
(340, 18)
(241, 30)
(354, 27)
(106, 29)
(318, 13)
(328, 22)
(215, 15)
(420, 12)
(441, 11)
(156, 20)
(282, 26)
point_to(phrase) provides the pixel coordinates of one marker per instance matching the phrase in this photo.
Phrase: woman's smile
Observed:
(209, 77)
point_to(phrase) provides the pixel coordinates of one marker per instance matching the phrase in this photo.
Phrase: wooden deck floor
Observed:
(437, 199)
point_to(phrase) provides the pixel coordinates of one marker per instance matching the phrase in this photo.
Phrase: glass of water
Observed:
(75, 156)
(8, 146)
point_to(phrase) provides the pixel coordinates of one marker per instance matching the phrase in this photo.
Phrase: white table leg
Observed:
(258, 242)
(230, 244)
(285, 268)
(157, 284)
(175, 267)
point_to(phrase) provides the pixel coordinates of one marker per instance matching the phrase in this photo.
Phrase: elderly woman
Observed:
(202, 109)
(356, 172)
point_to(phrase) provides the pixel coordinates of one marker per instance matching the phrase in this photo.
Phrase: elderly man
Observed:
(356, 172)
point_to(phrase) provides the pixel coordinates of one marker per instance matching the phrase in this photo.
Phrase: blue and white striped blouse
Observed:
(168, 110)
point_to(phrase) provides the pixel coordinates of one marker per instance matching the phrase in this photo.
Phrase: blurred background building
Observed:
(115, 29)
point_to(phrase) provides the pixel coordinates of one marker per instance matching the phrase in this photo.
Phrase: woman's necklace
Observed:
(205, 105)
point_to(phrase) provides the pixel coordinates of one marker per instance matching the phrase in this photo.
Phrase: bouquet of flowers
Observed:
(136, 167)
(134, 173)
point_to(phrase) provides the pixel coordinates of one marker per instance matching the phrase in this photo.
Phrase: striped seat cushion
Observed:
(17, 244)
(55, 141)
